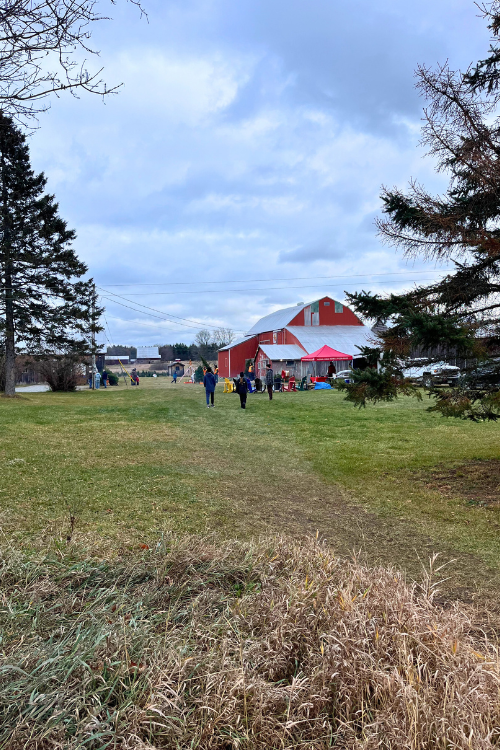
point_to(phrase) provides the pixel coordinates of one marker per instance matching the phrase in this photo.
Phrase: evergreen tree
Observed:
(129, 351)
(44, 307)
(458, 315)
(181, 351)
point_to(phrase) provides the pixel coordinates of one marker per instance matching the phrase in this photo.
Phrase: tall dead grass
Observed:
(209, 646)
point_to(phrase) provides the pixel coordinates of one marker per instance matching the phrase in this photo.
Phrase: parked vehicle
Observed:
(345, 375)
(436, 373)
(486, 376)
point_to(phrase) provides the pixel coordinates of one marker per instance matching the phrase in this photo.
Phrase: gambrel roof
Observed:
(277, 320)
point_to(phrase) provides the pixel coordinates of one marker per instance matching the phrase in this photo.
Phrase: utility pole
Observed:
(93, 338)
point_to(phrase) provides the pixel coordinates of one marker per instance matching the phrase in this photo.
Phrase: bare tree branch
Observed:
(42, 43)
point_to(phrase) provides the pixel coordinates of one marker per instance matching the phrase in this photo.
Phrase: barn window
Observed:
(315, 313)
(326, 304)
(338, 307)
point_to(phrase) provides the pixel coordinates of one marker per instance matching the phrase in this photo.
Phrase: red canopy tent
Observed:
(326, 354)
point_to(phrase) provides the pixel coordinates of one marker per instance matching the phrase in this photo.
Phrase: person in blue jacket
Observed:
(209, 383)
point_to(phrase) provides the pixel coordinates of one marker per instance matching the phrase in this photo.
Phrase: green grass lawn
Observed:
(134, 463)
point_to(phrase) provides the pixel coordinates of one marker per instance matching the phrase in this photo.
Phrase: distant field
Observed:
(392, 482)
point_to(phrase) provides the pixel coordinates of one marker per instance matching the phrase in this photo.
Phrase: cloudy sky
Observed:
(239, 169)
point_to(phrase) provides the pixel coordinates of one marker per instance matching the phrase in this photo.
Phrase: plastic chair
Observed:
(290, 386)
(228, 386)
(302, 385)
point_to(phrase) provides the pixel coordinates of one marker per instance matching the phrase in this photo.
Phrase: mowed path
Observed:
(132, 464)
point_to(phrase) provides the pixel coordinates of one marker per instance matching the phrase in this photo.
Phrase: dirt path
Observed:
(266, 496)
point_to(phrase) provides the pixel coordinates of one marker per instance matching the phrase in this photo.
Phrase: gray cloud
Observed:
(249, 141)
(308, 254)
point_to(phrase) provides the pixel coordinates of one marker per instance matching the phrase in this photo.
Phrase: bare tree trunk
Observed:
(10, 350)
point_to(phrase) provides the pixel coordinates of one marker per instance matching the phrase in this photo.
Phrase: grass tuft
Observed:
(275, 644)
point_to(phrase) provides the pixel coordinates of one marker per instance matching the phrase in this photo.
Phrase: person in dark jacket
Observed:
(209, 383)
(242, 389)
(269, 381)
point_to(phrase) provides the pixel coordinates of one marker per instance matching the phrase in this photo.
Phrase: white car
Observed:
(344, 375)
(435, 373)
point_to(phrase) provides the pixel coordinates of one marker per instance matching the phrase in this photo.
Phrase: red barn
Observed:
(285, 336)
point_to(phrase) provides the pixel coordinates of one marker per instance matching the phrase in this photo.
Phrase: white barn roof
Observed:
(345, 339)
(276, 320)
(282, 351)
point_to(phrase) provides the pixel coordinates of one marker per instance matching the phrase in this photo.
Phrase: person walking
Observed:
(174, 377)
(209, 383)
(269, 381)
(105, 378)
(242, 389)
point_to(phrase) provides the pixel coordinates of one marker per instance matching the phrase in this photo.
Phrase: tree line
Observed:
(206, 345)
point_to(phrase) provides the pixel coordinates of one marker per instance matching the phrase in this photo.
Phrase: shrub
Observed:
(113, 378)
(61, 372)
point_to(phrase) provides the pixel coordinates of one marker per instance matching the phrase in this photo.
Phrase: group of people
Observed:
(210, 381)
(134, 377)
(98, 379)
(103, 378)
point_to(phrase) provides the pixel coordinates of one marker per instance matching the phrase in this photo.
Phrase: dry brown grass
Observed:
(215, 646)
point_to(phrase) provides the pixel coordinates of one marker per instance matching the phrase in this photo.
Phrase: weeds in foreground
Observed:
(201, 645)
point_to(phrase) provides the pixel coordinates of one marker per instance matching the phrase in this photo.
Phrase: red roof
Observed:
(325, 354)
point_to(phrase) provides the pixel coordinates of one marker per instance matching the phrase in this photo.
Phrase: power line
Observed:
(150, 324)
(165, 320)
(252, 289)
(146, 322)
(170, 315)
(288, 278)
(189, 322)
(106, 324)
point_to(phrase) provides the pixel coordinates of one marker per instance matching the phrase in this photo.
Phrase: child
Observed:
(242, 388)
